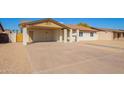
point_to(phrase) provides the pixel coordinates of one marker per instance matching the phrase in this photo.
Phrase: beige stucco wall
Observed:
(74, 36)
(105, 35)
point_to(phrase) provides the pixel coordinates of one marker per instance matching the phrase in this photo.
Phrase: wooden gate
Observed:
(19, 37)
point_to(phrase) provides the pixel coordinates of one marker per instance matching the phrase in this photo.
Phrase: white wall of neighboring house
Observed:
(85, 37)
(12, 37)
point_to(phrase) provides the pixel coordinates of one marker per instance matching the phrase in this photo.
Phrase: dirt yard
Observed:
(97, 57)
(112, 44)
(75, 58)
(13, 59)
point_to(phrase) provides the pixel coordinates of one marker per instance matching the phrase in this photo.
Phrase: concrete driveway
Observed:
(75, 58)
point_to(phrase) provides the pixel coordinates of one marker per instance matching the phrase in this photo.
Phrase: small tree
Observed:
(84, 24)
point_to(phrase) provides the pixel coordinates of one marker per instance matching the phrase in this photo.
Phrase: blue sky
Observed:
(114, 23)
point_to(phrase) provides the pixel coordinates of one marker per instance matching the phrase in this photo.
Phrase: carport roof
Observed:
(44, 20)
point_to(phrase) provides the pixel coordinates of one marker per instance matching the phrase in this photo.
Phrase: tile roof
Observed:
(74, 26)
(110, 30)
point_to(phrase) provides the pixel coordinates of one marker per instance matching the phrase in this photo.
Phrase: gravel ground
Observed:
(75, 58)
(13, 59)
(108, 43)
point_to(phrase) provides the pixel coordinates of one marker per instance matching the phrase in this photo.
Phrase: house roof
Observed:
(69, 26)
(109, 30)
(1, 27)
(74, 26)
(44, 20)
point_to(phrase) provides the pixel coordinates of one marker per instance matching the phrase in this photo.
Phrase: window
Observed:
(81, 34)
(91, 34)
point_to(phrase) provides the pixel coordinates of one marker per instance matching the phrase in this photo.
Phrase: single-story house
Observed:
(49, 30)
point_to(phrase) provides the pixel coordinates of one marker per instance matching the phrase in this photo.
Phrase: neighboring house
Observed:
(50, 30)
(3, 35)
(110, 34)
(85, 33)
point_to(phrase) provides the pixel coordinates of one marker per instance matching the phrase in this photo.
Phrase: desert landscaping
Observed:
(93, 57)
(14, 59)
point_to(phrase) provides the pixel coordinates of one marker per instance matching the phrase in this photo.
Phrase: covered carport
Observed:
(43, 34)
(47, 30)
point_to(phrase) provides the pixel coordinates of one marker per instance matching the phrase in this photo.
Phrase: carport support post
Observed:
(77, 33)
(70, 35)
(121, 35)
(65, 35)
(116, 35)
(60, 35)
(25, 36)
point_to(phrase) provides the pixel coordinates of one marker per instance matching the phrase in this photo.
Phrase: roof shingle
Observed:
(74, 26)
